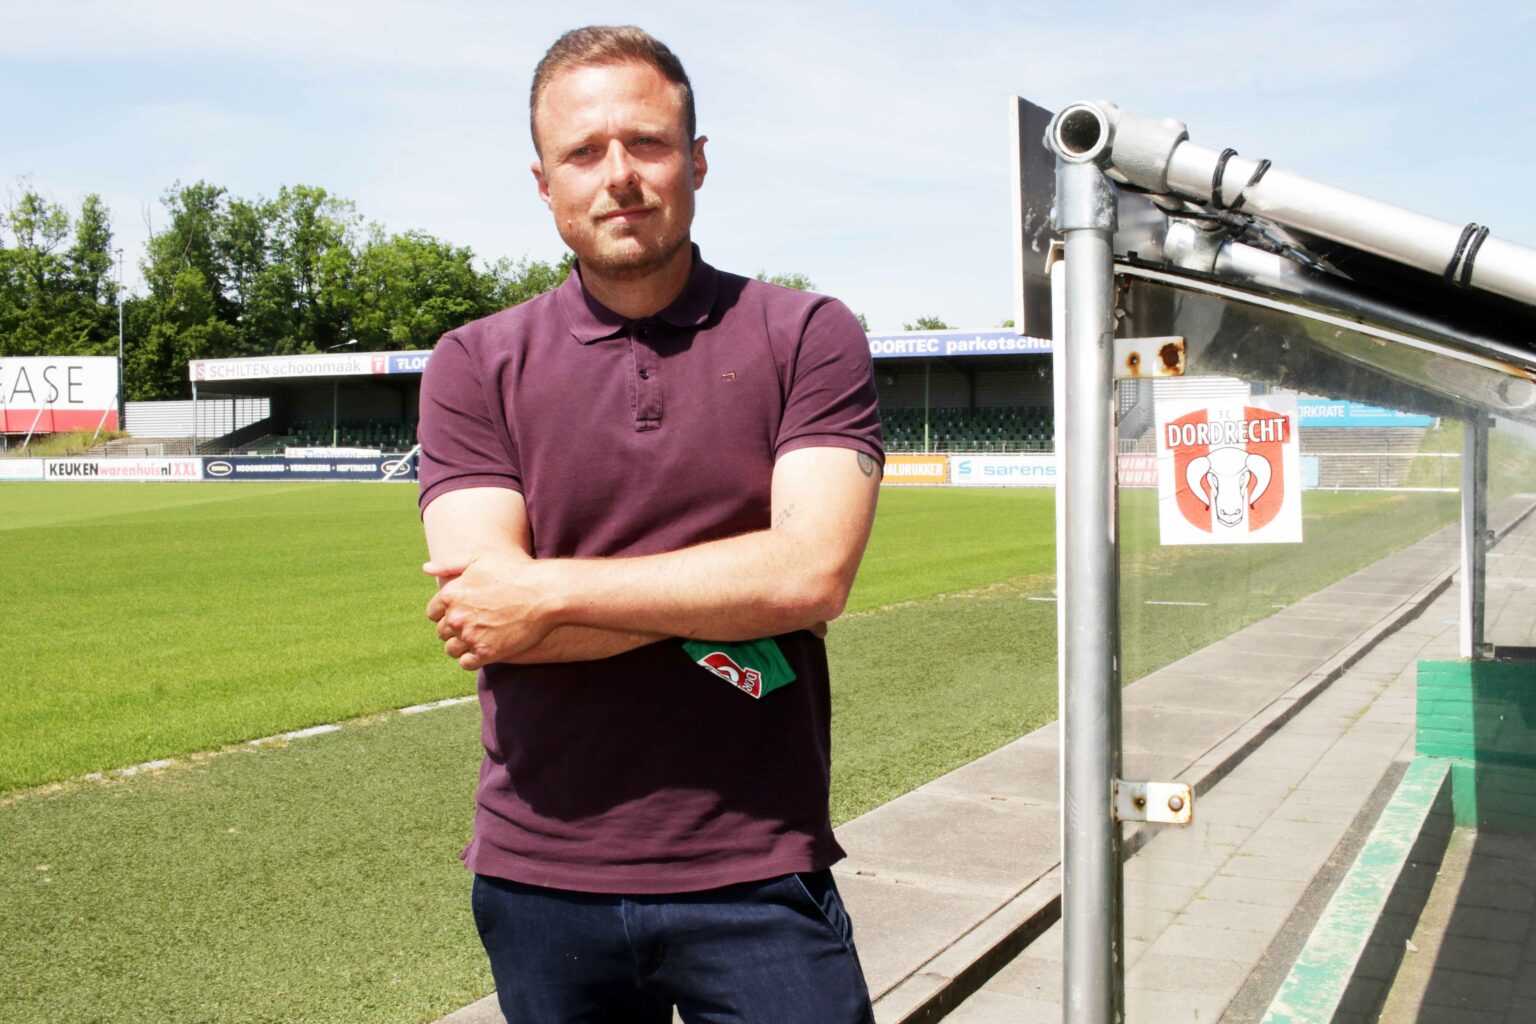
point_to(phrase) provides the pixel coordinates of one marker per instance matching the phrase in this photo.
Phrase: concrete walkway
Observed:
(948, 883)
(1216, 913)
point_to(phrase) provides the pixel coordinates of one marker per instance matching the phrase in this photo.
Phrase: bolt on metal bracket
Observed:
(1137, 358)
(1166, 803)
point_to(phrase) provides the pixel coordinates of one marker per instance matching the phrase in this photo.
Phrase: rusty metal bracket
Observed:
(1139, 358)
(1167, 803)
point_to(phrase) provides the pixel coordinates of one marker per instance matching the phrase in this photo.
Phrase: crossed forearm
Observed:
(507, 607)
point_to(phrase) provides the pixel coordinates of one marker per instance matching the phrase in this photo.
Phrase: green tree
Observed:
(303, 291)
(56, 289)
(515, 281)
(410, 289)
(799, 282)
(927, 323)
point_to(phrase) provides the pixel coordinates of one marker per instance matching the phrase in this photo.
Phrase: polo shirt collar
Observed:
(591, 321)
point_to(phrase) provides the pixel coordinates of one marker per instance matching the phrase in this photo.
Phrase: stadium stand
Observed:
(986, 429)
(386, 434)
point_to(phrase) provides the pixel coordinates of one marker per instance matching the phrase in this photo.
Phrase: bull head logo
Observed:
(1221, 479)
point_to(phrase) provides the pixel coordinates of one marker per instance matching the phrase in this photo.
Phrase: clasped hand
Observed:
(491, 608)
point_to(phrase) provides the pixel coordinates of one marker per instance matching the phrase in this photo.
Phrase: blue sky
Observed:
(864, 144)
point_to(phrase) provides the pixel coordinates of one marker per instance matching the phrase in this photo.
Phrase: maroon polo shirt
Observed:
(644, 772)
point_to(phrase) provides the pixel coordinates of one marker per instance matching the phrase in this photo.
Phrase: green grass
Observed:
(1511, 460)
(142, 621)
(319, 881)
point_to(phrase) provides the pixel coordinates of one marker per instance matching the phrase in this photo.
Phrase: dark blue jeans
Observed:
(773, 952)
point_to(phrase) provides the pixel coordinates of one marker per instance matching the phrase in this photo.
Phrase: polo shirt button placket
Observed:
(648, 410)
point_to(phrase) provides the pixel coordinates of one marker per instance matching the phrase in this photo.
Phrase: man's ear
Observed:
(700, 164)
(538, 175)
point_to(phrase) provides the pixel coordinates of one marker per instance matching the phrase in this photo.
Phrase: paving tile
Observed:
(899, 927)
(1270, 867)
(1174, 1007)
(1170, 872)
(1234, 915)
(1506, 926)
(997, 846)
(1269, 892)
(1158, 895)
(1029, 978)
(1461, 990)
(1308, 855)
(1026, 769)
(1298, 833)
(1479, 956)
(1048, 946)
(1185, 940)
(1144, 924)
(1165, 730)
(989, 1007)
(1189, 847)
(1158, 972)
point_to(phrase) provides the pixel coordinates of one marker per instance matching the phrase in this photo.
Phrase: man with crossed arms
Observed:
(644, 494)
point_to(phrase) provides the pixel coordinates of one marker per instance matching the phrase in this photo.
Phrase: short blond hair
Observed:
(598, 45)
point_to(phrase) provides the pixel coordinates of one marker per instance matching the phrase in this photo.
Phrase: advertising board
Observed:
(949, 344)
(1331, 413)
(916, 469)
(123, 470)
(1137, 469)
(1002, 470)
(256, 467)
(47, 394)
(21, 469)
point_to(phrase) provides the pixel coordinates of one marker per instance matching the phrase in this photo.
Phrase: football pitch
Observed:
(319, 880)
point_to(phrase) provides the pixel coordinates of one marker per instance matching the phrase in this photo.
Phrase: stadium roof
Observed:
(241, 374)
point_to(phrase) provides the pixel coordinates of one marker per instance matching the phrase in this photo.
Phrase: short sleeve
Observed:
(831, 401)
(464, 441)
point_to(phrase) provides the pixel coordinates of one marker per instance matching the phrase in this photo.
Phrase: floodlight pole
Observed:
(1088, 581)
(122, 397)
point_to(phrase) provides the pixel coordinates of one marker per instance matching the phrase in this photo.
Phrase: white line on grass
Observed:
(416, 709)
(1180, 604)
(297, 734)
(1050, 599)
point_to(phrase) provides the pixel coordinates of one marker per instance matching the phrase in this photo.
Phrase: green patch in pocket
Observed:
(754, 667)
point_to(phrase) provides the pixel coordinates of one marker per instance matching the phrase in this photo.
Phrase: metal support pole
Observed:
(1474, 534)
(1087, 568)
(927, 414)
(335, 413)
(122, 397)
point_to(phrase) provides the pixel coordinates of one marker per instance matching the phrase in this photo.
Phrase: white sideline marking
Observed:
(1051, 599)
(1180, 604)
(297, 734)
(147, 766)
(416, 709)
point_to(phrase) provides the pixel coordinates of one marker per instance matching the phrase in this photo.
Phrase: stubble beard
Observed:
(638, 263)
(642, 259)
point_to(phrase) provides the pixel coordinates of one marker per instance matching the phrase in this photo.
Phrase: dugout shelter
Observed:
(1152, 257)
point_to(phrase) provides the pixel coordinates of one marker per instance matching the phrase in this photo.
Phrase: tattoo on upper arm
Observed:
(866, 464)
(783, 516)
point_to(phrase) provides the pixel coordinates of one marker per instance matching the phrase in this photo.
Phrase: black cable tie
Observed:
(1466, 264)
(1258, 172)
(1461, 247)
(1221, 169)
